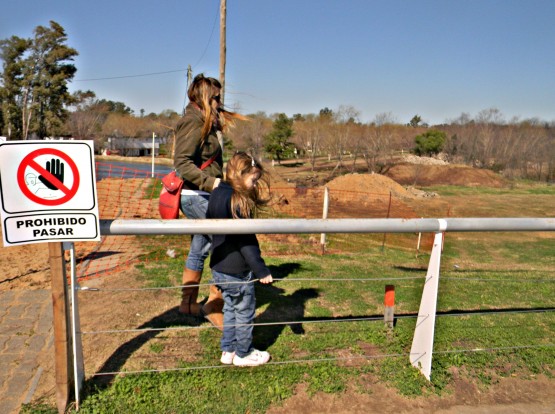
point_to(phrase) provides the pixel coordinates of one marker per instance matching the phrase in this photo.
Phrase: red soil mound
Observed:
(428, 175)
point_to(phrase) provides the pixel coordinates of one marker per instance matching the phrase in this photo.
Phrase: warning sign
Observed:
(54, 177)
(48, 191)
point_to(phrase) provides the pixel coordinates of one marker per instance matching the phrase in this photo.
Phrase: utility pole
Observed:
(189, 76)
(189, 79)
(223, 12)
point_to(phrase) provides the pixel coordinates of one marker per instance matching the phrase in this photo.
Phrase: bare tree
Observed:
(87, 115)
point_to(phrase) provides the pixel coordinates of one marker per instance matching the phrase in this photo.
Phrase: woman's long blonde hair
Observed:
(245, 202)
(201, 92)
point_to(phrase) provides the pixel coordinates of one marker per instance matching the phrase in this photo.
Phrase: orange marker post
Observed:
(389, 302)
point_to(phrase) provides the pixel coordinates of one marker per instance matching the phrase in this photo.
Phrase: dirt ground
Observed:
(26, 267)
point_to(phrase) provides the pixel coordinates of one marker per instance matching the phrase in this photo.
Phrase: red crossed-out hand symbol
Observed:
(56, 168)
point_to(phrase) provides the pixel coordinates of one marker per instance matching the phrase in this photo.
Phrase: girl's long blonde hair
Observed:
(201, 92)
(245, 202)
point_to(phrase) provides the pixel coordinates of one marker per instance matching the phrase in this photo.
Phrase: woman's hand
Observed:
(267, 279)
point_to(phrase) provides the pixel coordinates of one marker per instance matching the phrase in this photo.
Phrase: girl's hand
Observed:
(216, 183)
(267, 279)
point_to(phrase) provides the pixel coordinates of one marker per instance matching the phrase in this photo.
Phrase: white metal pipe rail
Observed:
(291, 226)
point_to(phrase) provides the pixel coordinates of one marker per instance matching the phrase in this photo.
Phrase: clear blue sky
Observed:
(435, 58)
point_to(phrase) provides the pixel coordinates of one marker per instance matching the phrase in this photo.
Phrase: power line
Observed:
(131, 76)
(159, 73)
(210, 38)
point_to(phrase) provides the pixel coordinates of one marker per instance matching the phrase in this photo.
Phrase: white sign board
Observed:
(48, 192)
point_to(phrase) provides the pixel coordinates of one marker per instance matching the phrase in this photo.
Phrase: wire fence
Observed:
(130, 194)
(171, 331)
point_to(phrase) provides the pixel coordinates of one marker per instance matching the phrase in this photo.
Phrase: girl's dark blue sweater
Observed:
(232, 253)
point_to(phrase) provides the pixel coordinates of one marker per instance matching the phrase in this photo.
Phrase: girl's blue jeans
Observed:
(239, 311)
(194, 207)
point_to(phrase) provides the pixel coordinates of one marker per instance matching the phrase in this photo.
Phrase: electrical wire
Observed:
(158, 73)
(130, 76)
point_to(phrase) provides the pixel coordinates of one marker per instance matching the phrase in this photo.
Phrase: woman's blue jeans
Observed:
(194, 207)
(239, 311)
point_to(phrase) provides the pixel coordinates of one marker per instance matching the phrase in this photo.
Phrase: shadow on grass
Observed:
(116, 361)
(281, 308)
(172, 318)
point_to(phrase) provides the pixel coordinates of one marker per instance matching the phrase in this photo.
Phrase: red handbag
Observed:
(170, 196)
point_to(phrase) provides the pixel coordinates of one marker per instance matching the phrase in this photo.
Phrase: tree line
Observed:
(514, 148)
(35, 103)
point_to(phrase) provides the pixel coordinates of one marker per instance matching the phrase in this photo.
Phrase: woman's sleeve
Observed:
(187, 142)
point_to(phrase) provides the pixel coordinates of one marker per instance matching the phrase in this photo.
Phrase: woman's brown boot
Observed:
(189, 295)
(213, 308)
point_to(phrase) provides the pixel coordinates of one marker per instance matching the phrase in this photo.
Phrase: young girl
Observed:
(235, 259)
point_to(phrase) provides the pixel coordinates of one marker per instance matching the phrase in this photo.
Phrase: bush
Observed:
(430, 143)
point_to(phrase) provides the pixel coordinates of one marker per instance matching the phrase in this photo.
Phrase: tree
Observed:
(250, 134)
(416, 119)
(384, 118)
(35, 76)
(277, 141)
(87, 117)
(326, 113)
(12, 51)
(116, 107)
(429, 143)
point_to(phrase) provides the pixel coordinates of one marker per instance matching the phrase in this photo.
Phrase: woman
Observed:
(198, 161)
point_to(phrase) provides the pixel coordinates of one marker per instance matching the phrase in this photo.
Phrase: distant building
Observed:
(133, 147)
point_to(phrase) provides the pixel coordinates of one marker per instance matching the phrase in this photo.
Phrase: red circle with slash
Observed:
(30, 162)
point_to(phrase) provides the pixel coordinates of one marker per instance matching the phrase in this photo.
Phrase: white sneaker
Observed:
(253, 359)
(227, 357)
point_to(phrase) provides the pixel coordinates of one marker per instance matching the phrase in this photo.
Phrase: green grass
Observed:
(516, 188)
(374, 349)
(495, 319)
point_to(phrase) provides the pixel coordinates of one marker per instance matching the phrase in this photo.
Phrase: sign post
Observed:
(60, 320)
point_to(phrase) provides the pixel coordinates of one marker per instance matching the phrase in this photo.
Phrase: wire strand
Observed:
(328, 359)
(89, 289)
(158, 73)
(130, 76)
(308, 322)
